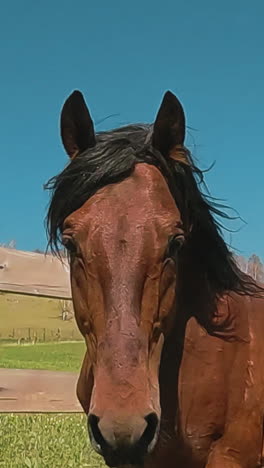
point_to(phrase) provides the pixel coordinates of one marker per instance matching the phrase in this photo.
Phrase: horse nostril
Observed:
(123, 444)
(95, 433)
(151, 429)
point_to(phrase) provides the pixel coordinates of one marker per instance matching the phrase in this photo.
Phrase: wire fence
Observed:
(37, 335)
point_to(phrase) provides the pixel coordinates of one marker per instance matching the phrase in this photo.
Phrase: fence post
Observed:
(44, 334)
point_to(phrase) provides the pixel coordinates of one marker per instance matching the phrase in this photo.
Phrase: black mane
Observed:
(205, 260)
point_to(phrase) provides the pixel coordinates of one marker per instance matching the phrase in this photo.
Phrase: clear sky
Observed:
(124, 55)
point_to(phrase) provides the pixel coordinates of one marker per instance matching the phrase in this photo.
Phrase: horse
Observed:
(173, 370)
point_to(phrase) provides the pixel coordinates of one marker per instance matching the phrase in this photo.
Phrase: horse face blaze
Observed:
(123, 287)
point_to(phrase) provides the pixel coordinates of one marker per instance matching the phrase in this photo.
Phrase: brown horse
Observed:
(174, 368)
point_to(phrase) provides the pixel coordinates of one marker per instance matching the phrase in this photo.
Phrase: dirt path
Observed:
(38, 391)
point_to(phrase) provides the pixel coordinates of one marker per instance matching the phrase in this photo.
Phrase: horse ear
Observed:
(76, 125)
(169, 126)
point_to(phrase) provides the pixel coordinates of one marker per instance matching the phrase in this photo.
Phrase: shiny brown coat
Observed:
(173, 372)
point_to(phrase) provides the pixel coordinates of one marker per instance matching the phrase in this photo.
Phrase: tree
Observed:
(241, 262)
(9, 245)
(255, 268)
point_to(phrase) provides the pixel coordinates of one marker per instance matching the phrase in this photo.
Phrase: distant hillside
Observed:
(32, 317)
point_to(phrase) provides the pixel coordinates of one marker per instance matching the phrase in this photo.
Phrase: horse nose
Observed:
(125, 442)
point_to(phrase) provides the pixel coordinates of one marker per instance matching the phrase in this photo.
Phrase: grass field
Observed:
(23, 312)
(41, 441)
(20, 313)
(48, 356)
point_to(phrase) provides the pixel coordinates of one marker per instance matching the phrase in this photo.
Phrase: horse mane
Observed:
(206, 265)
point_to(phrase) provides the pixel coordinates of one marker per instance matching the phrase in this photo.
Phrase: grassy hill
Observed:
(26, 316)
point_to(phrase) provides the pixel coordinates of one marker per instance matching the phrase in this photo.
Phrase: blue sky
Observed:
(124, 56)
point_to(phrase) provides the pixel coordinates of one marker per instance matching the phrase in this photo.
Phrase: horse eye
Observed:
(69, 244)
(174, 245)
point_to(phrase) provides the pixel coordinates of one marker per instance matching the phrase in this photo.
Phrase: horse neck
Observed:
(169, 372)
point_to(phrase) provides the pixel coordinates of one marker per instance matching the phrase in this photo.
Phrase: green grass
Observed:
(48, 356)
(41, 441)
